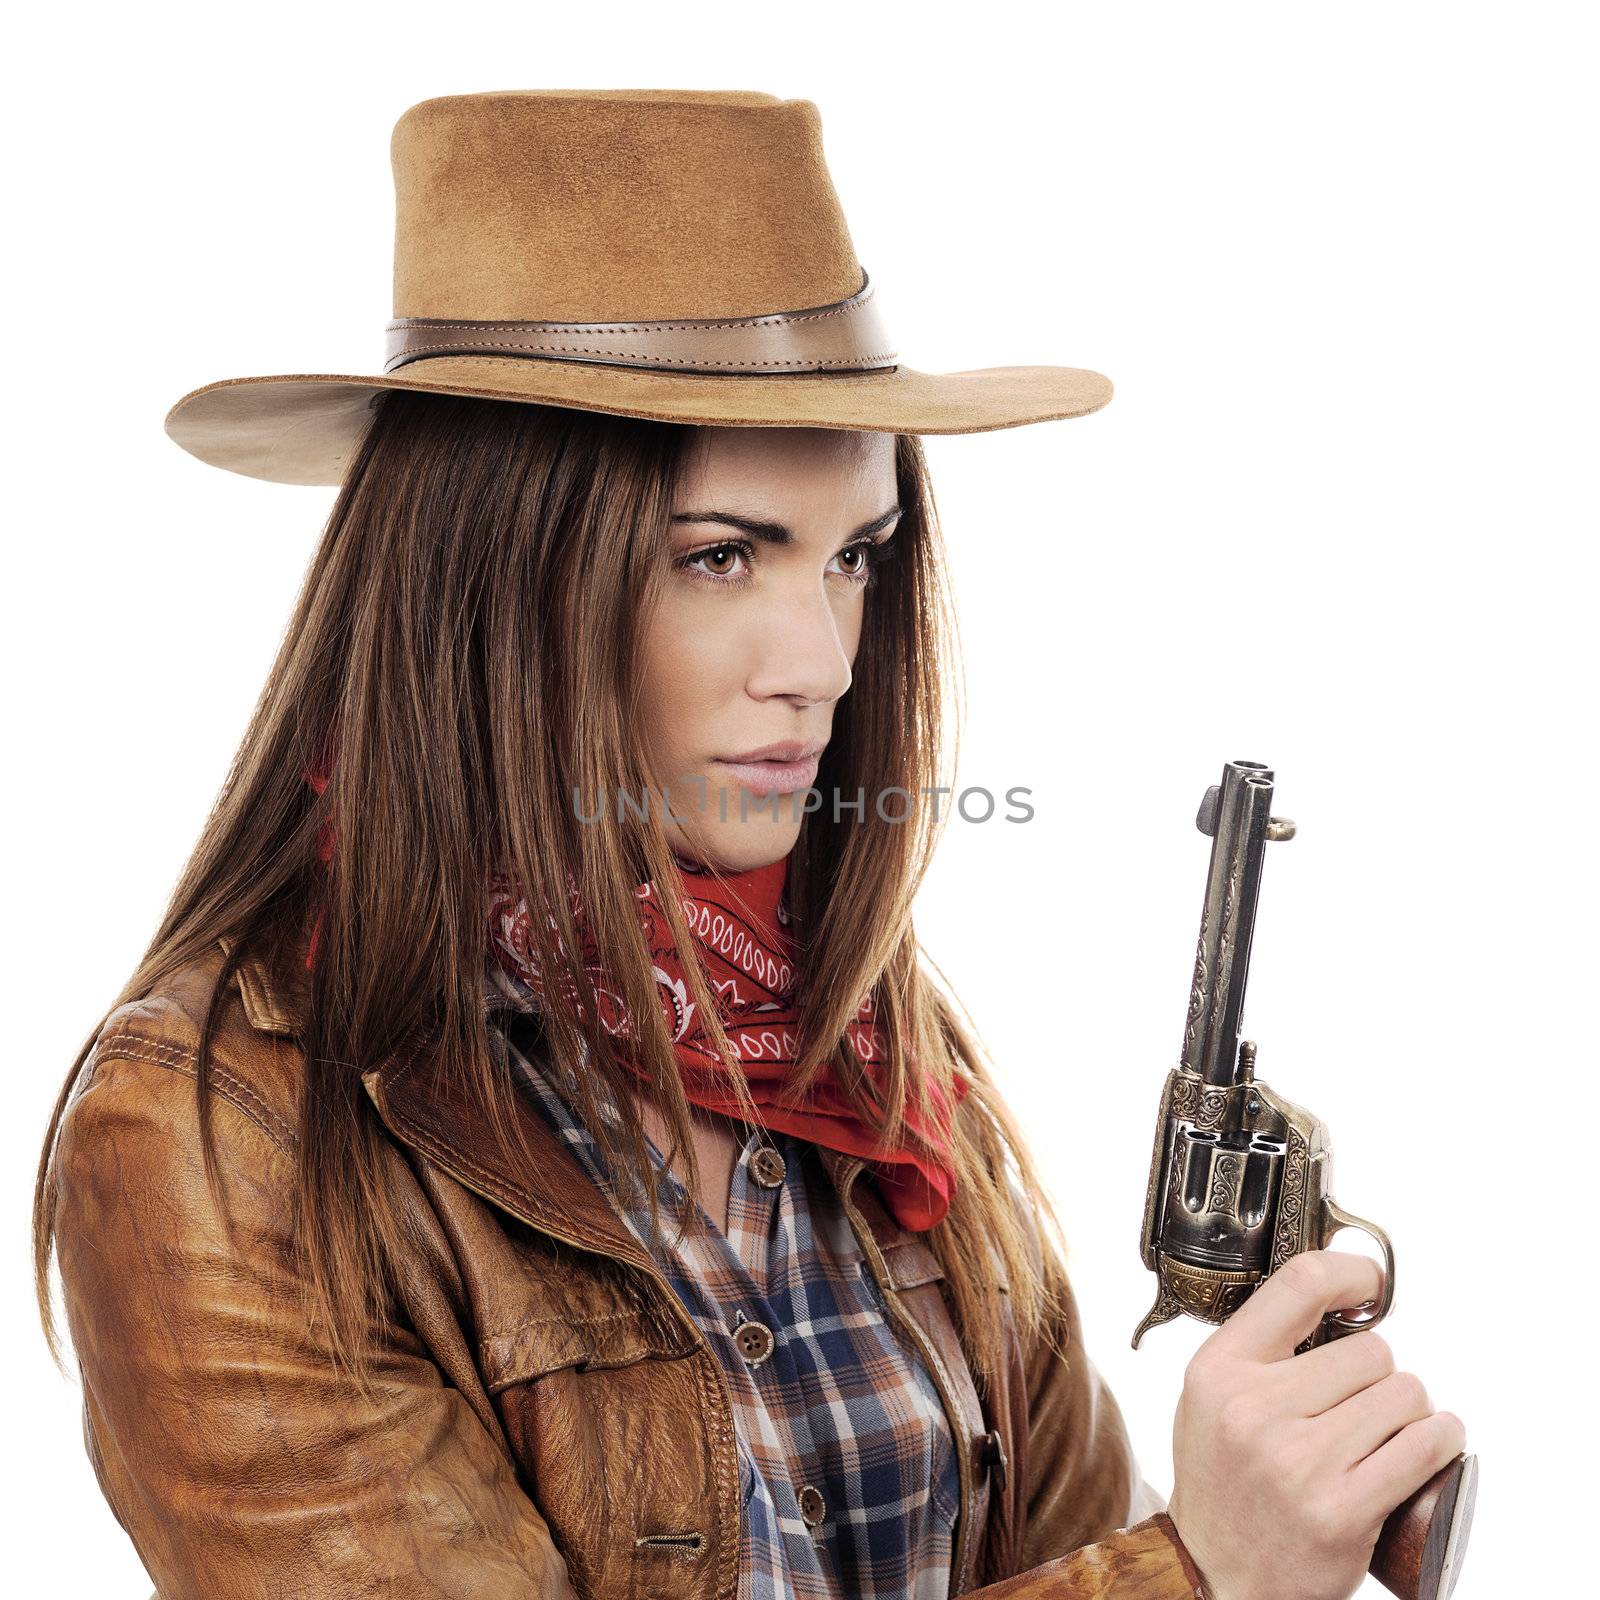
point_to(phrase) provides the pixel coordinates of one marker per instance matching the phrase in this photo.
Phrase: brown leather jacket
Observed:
(548, 1422)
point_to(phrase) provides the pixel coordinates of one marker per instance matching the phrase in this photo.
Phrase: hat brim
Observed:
(304, 427)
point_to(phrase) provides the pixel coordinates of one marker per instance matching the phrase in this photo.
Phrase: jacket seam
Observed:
(565, 1321)
(184, 1060)
(639, 1316)
(715, 1402)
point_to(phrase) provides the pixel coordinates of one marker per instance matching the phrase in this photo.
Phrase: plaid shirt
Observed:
(847, 1467)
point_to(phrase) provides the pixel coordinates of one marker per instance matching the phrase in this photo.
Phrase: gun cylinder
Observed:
(1221, 1200)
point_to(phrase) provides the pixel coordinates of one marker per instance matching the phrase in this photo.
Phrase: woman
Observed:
(502, 935)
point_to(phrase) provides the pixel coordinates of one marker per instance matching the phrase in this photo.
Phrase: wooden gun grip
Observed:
(1423, 1541)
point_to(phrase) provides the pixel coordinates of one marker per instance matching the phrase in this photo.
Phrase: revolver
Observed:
(1240, 1177)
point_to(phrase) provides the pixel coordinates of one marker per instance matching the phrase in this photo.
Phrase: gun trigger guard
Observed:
(1335, 1217)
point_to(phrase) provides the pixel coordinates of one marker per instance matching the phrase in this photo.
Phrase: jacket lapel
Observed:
(422, 1108)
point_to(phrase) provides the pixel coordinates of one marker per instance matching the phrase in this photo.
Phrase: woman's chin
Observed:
(740, 846)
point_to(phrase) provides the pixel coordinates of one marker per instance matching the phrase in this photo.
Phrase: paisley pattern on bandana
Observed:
(741, 930)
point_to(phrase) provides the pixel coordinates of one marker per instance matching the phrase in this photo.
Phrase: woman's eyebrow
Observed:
(776, 532)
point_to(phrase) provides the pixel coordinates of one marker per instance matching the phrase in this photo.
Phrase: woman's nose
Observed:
(797, 649)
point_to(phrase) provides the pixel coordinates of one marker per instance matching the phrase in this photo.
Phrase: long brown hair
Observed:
(473, 615)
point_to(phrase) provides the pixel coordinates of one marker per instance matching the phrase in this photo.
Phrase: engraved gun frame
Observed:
(1240, 1177)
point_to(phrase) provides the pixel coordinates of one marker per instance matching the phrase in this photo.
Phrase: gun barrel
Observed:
(1237, 815)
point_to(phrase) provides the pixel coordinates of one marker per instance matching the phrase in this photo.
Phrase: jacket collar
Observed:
(422, 1108)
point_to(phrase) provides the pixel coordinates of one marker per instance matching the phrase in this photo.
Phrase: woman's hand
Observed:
(1285, 1466)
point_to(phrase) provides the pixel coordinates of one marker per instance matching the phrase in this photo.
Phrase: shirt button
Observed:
(811, 1506)
(767, 1167)
(755, 1341)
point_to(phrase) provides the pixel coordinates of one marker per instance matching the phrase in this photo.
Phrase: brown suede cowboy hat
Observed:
(677, 254)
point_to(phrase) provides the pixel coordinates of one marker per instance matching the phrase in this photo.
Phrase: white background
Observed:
(1338, 519)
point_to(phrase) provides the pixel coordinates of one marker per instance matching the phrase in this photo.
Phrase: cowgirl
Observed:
(532, 1158)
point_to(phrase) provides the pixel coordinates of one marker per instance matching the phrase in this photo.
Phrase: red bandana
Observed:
(747, 955)
(741, 937)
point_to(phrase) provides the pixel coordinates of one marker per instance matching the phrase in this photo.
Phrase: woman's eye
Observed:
(868, 554)
(718, 553)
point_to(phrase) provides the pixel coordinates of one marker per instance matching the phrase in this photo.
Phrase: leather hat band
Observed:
(847, 336)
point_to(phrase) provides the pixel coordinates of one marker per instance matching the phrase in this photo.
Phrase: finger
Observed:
(1289, 1305)
(1315, 1380)
(1395, 1471)
(1351, 1431)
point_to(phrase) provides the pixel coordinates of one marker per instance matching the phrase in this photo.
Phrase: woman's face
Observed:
(754, 640)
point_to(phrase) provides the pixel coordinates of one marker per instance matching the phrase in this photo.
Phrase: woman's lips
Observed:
(774, 777)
